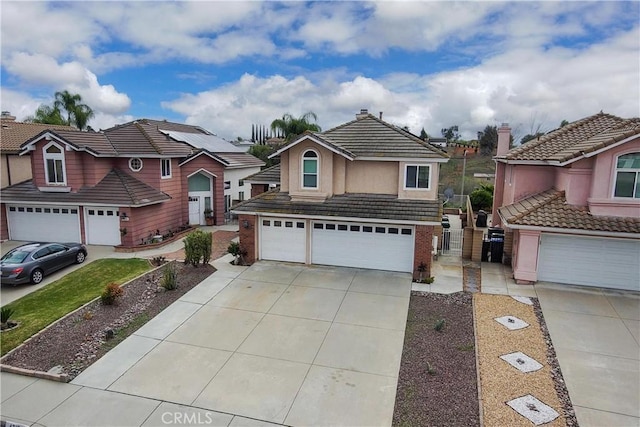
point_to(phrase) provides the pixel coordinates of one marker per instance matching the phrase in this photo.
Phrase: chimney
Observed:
(380, 115)
(6, 115)
(504, 138)
(363, 113)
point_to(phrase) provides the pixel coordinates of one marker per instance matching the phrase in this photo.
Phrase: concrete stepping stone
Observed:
(533, 409)
(521, 362)
(511, 322)
(523, 300)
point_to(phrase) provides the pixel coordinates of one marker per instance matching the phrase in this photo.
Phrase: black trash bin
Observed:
(481, 219)
(486, 249)
(496, 238)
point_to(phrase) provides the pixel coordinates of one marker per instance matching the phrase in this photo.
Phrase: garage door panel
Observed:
(375, 246)
(610, 263)
(283, 239)
(43, 223)
(102, 225)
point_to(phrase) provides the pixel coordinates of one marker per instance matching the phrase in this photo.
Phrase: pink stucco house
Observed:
(569, 202)
(123, 186)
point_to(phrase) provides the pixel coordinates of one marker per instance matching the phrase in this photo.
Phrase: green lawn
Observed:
(39, 309)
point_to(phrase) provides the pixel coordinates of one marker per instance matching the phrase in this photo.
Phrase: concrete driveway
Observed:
(275, 342)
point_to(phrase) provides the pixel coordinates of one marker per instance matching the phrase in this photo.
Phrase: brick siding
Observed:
(422, 250)
(248, 237)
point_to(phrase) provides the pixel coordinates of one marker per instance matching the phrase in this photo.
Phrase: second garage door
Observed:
(375, 246)
(102, 225)
(590, 261)
(283, 239)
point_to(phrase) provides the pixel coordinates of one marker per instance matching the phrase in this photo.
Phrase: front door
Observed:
(194, 210)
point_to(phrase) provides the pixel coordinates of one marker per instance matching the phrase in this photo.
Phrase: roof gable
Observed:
(14, 134)
(577, 139)
(368, 137)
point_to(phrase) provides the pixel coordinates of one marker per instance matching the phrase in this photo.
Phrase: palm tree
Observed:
(78, 114)
(291, 127)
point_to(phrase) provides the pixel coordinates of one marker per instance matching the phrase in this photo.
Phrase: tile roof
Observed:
(270, 175)
(239, 160)
(576, 139)
(378, 207)
(368, 136)
(13, 134)
(116, 188)
(549, 209)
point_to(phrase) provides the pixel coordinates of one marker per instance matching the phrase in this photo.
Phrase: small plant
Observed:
(87, 315)
(169, 278)
(429, 280)
(158, 260)
(5, 314)
(111, 293)
(439, 325)
(430, 369)
(422, 268)
(197, 247)
(236, 250)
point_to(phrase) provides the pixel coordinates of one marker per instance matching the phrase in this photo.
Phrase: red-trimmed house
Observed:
(121, 186)
(363, 194)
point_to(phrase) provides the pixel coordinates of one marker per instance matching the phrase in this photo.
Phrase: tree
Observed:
(528, 137)
(78, 114)
(47, 115)
(291, 127)
(563, 123)
(451, 133)
(263, 151)
(482, 198)
(488, 140)
(424, 135)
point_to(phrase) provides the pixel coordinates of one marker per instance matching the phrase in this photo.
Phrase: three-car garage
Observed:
(50, 223)
(340, 243)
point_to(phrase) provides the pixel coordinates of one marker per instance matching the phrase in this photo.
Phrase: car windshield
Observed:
(15, 256)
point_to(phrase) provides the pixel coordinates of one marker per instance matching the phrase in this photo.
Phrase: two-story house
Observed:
(121, 186)
(363, 194)
(570, 203)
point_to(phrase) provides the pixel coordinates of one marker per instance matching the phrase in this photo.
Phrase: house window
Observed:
(54, 164)
(417, 176)
(135, 164)
(240, 182)
(628, 176)
(241, 195)
(310, 169)
(165, 166)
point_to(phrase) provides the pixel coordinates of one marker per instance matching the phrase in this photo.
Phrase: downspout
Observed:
(8, 169)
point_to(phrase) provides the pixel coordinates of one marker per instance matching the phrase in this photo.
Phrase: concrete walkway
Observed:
(275, 342)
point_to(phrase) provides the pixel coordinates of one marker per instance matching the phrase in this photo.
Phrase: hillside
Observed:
(451, 173)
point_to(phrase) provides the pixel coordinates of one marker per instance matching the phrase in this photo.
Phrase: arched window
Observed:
(628, 176)
(310, 169)
(54, 164)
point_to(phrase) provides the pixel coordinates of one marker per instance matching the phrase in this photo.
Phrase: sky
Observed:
(227, 65)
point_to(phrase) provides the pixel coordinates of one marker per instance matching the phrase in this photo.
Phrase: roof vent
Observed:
(363, 113)
(6, 115)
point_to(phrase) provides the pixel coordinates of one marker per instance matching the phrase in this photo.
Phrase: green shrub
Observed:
(482, 198)
(197, 247)
(111, 293)
(236, 250)
(439, 325)
(169, 277)
(5, 314)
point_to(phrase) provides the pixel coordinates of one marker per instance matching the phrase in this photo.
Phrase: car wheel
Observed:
(36, 276)
(80, 257)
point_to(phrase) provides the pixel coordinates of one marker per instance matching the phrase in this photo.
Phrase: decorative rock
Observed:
(534, 410)
(523, 300)
(109, 333)
(56, 370)
(521, 362)
(511, 322)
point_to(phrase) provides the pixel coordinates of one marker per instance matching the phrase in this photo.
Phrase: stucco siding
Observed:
(521, 181)
(372, 177)
(15, 169)
(418, 193)
(325, 170)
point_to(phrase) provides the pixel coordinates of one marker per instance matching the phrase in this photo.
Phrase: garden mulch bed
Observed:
(448, 394)
(75, 342)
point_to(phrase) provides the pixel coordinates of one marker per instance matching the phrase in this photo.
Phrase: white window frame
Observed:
(302, 174)
(55, 157)
(418, 166)
(632, 170)
(131, 165)
(163, 169)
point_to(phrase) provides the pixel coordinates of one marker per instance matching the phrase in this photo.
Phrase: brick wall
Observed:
(467, 243)
(4, 229)
(258, 189)
(476, 249)
(248, 237)
(422, 250)
(508, 247)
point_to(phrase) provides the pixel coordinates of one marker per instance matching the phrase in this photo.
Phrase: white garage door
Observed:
(283, 239)
(375, 246)
(607, 263)
(102, 225)
(43, 223)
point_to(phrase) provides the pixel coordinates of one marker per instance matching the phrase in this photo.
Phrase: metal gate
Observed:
(452, 241)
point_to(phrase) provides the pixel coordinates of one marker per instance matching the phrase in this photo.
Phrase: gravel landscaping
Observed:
(75, 342)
